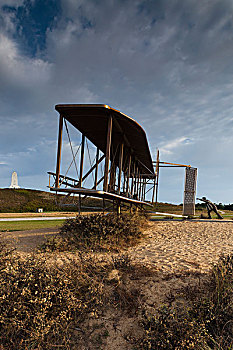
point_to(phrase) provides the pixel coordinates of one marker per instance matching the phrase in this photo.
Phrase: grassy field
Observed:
(29, 225)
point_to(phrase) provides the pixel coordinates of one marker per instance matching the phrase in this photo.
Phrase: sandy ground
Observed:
(179, 254)
(167, 245)
(184, 245)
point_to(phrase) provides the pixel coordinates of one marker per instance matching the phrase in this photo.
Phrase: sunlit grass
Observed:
(29, 225)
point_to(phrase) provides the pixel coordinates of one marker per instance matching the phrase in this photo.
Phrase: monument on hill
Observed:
(14, 180)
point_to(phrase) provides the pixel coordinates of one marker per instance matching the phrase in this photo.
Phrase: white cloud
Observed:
(170, 147)
(20, 69)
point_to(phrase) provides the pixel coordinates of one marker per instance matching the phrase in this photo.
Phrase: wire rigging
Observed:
(71, 148)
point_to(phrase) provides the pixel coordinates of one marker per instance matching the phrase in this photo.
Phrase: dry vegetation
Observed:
(91, 300)
(98, 232)
(198, 317)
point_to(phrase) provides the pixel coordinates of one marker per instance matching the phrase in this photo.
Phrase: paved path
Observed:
(27, 241)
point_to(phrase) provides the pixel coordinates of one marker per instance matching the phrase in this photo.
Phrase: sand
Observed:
(168, 246)
(184, 245)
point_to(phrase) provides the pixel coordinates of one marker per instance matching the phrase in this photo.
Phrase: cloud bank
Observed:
(167, 64)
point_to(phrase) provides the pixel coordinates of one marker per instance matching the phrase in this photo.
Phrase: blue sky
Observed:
(167, 64)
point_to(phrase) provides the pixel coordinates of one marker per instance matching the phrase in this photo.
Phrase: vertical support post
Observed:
(96, 169)
(120, 167)
(81, 161)
(124, 180)
(128, 176)
(118, 207)
(135, 181)
(140, 187)
(107, 159)
(157, 179)
(137, 184)
(112, 176)
(154, 189)
(59, 151)
(133, 176)
(144, 190)
(79, 204)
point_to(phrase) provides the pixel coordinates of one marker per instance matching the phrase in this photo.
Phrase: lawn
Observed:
(29, 225)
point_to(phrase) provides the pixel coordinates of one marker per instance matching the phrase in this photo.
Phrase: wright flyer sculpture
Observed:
(121, 151)
(112, 161)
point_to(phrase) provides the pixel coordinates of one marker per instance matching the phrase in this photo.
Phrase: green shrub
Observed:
(103, 232)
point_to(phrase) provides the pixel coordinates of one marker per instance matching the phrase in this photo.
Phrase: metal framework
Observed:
(128, 176)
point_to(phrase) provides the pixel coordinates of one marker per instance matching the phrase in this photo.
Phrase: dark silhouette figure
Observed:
(210, 207)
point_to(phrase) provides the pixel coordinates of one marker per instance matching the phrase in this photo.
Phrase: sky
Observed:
(166, 63)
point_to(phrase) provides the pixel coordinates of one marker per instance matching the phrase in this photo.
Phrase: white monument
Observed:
(14, 180)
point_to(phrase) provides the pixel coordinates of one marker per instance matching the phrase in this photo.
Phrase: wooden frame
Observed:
(116, 147)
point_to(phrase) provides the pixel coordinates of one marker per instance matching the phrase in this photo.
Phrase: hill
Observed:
(27, 200)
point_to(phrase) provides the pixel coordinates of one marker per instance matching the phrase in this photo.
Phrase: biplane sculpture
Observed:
(120, 143)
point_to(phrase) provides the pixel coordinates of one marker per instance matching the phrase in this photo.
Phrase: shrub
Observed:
(5, 254)
(40, 304)
(103, 232)
(47, 304)
(206, 322)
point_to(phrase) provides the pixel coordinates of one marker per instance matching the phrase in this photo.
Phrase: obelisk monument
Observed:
(14, 180)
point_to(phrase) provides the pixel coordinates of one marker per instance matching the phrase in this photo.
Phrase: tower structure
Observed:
(14, 180)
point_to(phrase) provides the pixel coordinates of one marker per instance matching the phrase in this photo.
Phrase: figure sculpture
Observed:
(210, 207)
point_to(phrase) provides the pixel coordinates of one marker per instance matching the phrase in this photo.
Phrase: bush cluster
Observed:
(102, 232)
(44, 304)
(205, 321)
(40, 305)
